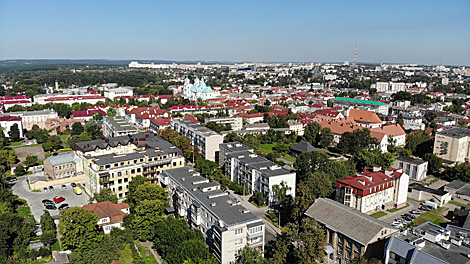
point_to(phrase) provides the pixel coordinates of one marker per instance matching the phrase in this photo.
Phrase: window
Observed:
(239, 242)
(238, 231)
(119, 174)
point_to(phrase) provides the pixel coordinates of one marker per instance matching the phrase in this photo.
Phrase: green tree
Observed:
(47, 223)
(405, 153)
(111, 111)
(325, 138)
(77, 128)
(14, 133)
(434, 163)
(146, 215)
(148, 191)
(31, 161)
(105, 195)
(249, 256)
(94, 130)
(258, 199)
(369, 158)
(353, 142)
(20, 170)
(48, 237)
(79, 229)
(430, 116)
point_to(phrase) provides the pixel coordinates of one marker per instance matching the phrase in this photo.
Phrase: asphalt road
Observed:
(34, 198)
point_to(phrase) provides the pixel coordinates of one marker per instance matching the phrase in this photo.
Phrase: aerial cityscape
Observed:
(262, 132)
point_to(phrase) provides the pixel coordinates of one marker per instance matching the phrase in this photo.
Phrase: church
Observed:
(198, 90)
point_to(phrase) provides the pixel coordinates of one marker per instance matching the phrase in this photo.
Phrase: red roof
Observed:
(8, 98)
(75, 98)
(161, 121)
(179, 107)
(277, 112)
(16, 102)
(108, 209)
(86, 113)
(10, 118)
(246, 115)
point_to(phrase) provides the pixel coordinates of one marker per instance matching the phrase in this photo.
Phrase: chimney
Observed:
(377, 168)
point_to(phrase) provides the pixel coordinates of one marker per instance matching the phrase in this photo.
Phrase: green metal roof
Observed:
(358, 101)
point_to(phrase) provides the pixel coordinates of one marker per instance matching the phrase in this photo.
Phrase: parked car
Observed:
(47, 201)
(64, 186)
(11, 179)
(64, 206)
(51, 207)
(59, 199)
(51, 188)
(73, 185)
(77, 190)
(45, 189)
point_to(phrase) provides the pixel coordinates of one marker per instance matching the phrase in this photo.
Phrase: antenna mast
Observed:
(355, 54)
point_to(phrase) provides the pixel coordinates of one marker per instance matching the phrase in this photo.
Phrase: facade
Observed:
(296, 127)
(63, 165)
(198, 90)
(225, 148)
(227, 226)
(252, 118)
(236, 122)
(6, 122)
(141, 116)
(201, 137)
(111, 215)
(118, 92)
(349, 233)
(452, 145)
(417, 169)
(30, 118)
(430, 244)
(111, 163)
(255, 172)
(378, 107)
(390, 87)
(374, 189)
(91, 99)
(422, 193)
(394, 132)
(114, 126)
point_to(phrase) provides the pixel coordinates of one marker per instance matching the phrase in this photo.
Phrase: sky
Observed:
(421, 32)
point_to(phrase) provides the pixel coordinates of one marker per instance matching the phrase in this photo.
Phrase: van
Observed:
(77, 190)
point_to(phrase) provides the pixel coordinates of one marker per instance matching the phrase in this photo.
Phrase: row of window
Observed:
(65, 167)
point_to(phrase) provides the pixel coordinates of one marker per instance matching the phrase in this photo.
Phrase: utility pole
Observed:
(355, 55)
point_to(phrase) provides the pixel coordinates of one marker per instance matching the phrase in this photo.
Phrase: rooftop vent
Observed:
(213, 204)
(194, 189)
(183, 179)
(245, 211)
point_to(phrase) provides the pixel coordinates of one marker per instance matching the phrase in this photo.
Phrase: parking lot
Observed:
(34, 198)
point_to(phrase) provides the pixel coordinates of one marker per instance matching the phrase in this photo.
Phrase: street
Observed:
(34, 198)
(397, 214)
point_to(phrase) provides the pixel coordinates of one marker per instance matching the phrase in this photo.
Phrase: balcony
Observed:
(254, 235)
(156, 163)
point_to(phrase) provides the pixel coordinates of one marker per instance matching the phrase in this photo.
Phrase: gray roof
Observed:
(455, 184)
(235, 146)
(303, 146)
(420, 187)
(224, 209)
(62, 158)
(143, 138)
(455, 132)
(411, 160)
(410, 252)
(197, 128)
(120, 124)
(259, 163)
(348, 221)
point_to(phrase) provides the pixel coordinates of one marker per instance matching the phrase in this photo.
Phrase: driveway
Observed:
(271, 230)
(392, 216)
(34, 198)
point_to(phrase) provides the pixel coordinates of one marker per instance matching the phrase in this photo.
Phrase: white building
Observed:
(227, 226)
(6, 122)
(417, 169)
(111, 215)
(389, 87)
(198, 90)
(118, 92)
(201, 137)
(31, 118)
(236, 122)
(114, 126)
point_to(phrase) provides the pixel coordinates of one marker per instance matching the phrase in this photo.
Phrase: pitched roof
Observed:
(303, 146)
(364, 116)
(348, 221)
(358, 101)
(108, 209)
(391, 130)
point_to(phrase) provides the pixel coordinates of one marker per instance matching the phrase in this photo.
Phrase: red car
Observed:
(59, 199)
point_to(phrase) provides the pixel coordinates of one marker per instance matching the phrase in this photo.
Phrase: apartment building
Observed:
(114, 126)
(452, 145)
(349, 233)
(227, 226)
(417, 169)
(373, 189)
(111, 163)
(62, 165)
(201, 137)
(430, 244)
(255, 172)
(236, 122)
(226, 148)
(31, 118)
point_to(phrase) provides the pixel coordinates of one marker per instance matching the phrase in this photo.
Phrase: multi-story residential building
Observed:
(417, 169)
(141, 116)
(430, 244)
(31, 118)
(111, 163)
(227, 226)
(110, 215)
(226, 148)
(296, 127)
(251, 118)
(62, 165)
(349, 233)
(201, 137)
(389, 87)
(394, 132)
(255, 172)
(378, 107)
(236, 122)
(6, 122)
(373, 189)
(114, 126)
(452, 145)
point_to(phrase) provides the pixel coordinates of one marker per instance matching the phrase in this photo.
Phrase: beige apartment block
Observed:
(452, 145)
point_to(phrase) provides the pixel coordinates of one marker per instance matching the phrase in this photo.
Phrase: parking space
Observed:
(34, 198)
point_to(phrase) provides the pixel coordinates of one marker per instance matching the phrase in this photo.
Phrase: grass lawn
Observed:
(32, 145)
(288, 157)
(431, 216)
(457, 203)
(55, 246)
(396, 209)
(64, 139)
(378, 214)
(146, 255)
(16, 143)
(126, 255)
(24, 210)
(267, 148)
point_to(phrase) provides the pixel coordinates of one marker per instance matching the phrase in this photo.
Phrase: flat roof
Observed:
(420, 187)
(411, 160)
(235, 146)
(455, 132)
(225, 207)
(120, 124)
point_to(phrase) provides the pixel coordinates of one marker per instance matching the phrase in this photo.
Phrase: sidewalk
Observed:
(149, 246)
